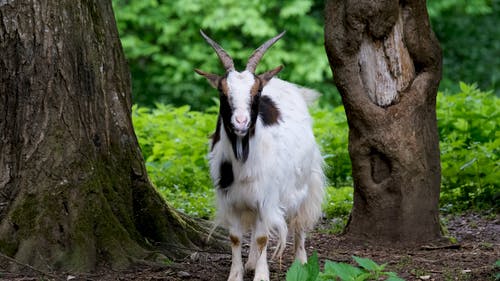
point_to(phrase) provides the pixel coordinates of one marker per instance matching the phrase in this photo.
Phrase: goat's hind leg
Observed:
(299, 246)
(253, 254)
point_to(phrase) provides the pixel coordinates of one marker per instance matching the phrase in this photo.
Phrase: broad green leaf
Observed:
(344, 271)
(367, 264)
(297, 272)
(312, 267)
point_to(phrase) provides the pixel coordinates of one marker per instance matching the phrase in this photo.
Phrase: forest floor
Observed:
(472, 257)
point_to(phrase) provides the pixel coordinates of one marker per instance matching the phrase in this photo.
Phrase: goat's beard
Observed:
(239, 147)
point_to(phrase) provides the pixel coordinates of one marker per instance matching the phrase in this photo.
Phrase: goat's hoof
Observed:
(249, 266)
(301, 257)
(261, 278)
(236, 276)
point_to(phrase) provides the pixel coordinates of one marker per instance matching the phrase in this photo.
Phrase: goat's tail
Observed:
(309, 95)
(310, 210)
(280, 231)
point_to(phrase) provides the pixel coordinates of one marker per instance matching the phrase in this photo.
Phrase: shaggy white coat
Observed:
(282, 180)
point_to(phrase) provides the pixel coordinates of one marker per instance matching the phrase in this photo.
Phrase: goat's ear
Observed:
(213, 79)
(268, 75)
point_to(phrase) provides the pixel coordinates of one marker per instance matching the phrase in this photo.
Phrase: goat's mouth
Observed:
(241, 132)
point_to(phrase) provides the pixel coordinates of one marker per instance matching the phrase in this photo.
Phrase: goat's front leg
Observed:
(261, 267)
(236, 273)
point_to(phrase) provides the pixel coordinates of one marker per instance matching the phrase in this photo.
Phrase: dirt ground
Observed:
(471, 258)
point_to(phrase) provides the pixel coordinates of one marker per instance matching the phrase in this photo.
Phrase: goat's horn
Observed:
(259, 53)
(226, 60)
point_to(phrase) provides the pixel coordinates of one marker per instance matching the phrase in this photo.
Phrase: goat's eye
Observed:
(256, 88)
(223, 88)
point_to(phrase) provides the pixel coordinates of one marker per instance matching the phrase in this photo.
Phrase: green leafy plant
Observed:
(330, 129)
(174, 142)
(470, 148)
(338, 201)
(367, 270)
(337, 207)
(304, 272)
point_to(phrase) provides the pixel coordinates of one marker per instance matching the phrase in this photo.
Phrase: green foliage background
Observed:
(470, 39)
(162, 43)
(470, 149)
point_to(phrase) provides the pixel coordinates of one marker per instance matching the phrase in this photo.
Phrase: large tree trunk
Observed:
(73, 186)
(386, 64)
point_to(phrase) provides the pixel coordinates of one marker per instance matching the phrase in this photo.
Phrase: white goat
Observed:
(264, 161)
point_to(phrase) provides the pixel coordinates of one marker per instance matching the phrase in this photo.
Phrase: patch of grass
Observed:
(404, 261)
(457, 275)
(419, 272)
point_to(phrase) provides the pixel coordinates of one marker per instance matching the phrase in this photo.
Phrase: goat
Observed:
(264, 160)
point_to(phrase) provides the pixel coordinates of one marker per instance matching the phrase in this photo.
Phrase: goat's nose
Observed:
(241, 119)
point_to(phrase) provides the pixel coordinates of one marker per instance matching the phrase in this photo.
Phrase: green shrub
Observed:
(470, 148)
(330, 129)
(174, 143)
(337, 207)
(338, 201)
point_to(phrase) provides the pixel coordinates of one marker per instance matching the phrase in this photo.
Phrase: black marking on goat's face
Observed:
(239, 138)
(226, 175)
(259, 105)
(225, 114)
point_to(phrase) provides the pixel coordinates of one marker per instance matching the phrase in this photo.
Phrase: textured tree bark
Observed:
(74, 192)
(386, 64)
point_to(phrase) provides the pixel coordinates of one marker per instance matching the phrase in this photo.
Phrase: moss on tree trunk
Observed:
(74, 192)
